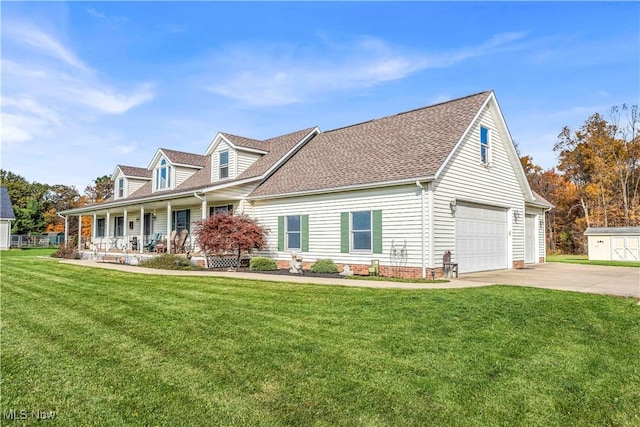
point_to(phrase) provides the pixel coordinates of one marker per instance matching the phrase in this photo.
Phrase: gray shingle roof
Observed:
(241, 141)
(6, 208)
(184, 158)
(136, 172)
(541, 201)
(277, 148)
(403, 146)
(613, 231)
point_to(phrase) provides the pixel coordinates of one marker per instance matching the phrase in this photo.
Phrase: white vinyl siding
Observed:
(244, 160)
(5, 234)
(215, 161)
(181, 174)
(466, 179)
(132, 185)
(401, 221)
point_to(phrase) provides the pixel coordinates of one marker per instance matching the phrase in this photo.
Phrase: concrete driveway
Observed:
(594, 279)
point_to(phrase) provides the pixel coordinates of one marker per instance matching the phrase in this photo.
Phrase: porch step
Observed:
(119, 259)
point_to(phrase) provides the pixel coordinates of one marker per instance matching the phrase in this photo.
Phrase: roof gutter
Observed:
(159, 197)
(411, 181)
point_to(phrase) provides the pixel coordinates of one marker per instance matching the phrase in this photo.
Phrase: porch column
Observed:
(66, 230)
(93, 229)
(141, 242)
(168, 227)
(204, 208)
(125, 228)
(79, 232)
(107, 231)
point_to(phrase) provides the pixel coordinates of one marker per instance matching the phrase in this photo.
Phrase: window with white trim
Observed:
(223, 165)
(163, 175)
(121, 188)
(361, 231)
(485, 147)
(293, 232)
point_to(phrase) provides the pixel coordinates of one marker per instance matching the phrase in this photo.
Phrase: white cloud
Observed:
(106, 100)
(93, 12)
(261, 75)
(29, 35)
(47, 87)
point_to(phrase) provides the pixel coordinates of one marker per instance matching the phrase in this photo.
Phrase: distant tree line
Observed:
(36, 206)
(597, 180)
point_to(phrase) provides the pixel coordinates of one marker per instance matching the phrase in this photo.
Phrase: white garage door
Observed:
(530, 239)
(481, 237)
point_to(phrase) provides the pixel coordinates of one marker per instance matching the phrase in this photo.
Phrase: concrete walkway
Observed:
(620, 281)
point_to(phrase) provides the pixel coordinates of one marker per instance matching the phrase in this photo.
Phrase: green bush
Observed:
(324, 266)
(169, 262)
(262, 264)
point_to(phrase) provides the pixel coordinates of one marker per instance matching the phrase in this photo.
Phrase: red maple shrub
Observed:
(225, 234)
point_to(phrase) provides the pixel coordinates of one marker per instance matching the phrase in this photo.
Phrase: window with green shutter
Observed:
(293, 233)
(361, 231)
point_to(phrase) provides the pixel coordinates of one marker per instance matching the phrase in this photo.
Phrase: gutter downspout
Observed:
(66, 227)
(424, 230)
(432, 231)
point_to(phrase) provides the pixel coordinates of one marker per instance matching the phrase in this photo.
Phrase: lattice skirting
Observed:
(226, 262)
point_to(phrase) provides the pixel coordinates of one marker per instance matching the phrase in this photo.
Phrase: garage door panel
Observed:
(481, 237)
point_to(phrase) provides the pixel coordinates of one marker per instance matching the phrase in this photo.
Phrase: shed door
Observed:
(625, 248)
(481, 237)
(530, 239)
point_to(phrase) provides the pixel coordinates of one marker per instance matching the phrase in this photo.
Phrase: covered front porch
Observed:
(129, 233)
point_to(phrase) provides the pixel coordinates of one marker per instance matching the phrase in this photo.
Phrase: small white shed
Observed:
(6, 216)
(614, 243)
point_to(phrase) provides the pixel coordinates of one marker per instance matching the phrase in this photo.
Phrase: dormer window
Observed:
(121, 188)
(163, 175)
(224, 165)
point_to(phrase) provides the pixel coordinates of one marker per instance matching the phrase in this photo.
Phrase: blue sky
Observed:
(87, 86)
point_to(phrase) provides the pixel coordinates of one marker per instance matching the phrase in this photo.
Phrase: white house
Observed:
(6, 216)
(613, 243)
(402, 189)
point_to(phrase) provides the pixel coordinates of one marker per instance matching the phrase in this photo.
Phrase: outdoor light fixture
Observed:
(452, 206)
(516, 216)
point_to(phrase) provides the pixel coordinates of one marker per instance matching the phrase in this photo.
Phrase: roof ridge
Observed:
(411, 111)
(179, 151)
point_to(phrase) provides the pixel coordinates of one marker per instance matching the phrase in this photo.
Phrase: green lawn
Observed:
(584, 259)
(106, 348)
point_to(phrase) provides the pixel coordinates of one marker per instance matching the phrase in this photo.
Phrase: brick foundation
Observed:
(518, 264)
(541, 260)
(363, 270)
